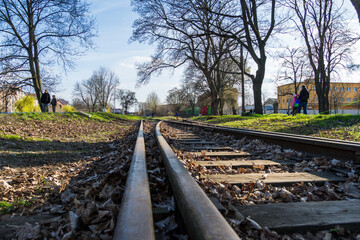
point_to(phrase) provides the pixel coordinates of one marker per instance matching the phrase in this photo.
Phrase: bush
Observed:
(69, 108)
(27, 104)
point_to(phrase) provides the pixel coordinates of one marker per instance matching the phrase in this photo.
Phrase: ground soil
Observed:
(55, 171)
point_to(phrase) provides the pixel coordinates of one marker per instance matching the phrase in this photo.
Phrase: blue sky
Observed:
(114, 20)
(113, 50)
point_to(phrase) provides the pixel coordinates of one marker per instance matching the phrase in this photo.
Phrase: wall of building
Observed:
(342, 96)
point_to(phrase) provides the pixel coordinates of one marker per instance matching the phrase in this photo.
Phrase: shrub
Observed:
(69, 108)
(27, 104)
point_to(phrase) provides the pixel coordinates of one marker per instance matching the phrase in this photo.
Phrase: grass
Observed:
(11, 137)
(19, 138)
(344, 127)
(46, 116)
(6, 207)
(70, 116)
(104, 116)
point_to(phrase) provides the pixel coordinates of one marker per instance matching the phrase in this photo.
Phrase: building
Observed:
(8, 97)
(343, 97)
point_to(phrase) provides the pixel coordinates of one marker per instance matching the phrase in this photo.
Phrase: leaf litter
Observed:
(70, 196)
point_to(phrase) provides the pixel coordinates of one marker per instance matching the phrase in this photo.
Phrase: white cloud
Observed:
(141, 59)
(125, 65)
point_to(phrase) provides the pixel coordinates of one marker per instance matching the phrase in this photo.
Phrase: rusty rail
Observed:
(201, 217)
(135, 219)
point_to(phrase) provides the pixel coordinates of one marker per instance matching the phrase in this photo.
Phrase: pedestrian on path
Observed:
(53, 103)
(295, 104)
(303, 98)
(45, 100)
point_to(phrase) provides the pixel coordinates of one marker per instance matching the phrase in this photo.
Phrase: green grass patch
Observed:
(5, 207)
(36, 139)
(19, 138)
(48, 116)
(71, 116)
(11, 137)
(344, 127)
(105, 116)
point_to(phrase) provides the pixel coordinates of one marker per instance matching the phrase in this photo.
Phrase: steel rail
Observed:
(342, 150)
(201, 217)
(135, 219)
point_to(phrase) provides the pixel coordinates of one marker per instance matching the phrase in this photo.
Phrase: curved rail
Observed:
(135, 219)
(343, 150)
(201, 218)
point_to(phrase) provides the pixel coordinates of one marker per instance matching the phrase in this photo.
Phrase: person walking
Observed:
(295, 104)
(45, 100)
(53, 103)
(303, 99)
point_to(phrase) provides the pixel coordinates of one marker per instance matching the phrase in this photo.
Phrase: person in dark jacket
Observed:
(303, 98)
(45, 100)
(53, 103)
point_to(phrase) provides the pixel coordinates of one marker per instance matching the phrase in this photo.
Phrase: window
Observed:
(355, 99)
(315, 99)
(348, 100)
(348, 89)
(341, 99)
(335, 88)
(314, 88)
(342, 89)
(355, 89)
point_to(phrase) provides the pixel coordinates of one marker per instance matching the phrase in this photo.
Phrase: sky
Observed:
(114, 21)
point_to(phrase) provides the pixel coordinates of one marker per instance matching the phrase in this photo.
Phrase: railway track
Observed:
(230, 172)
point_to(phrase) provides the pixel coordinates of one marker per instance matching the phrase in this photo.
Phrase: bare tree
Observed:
(175, 98)
(96, 92)
(294, 68)
(336, 97)
(42, 32)
(79, 105)
(86, 93)
(191, 92)
(141, 108)
(105, 83)
(152, 102)
(127, 99)
(182, 31)
(327, 38)
(252, 24)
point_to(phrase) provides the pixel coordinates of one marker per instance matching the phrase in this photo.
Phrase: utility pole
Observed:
(242, 79)
(114, 100)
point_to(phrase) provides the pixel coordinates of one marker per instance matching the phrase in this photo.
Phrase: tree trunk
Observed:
(37, 66)
(33, 55)
(234, 110)
(192, 110)
(257, 84)
(356, 4)
(215, 106)
(221, 109)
